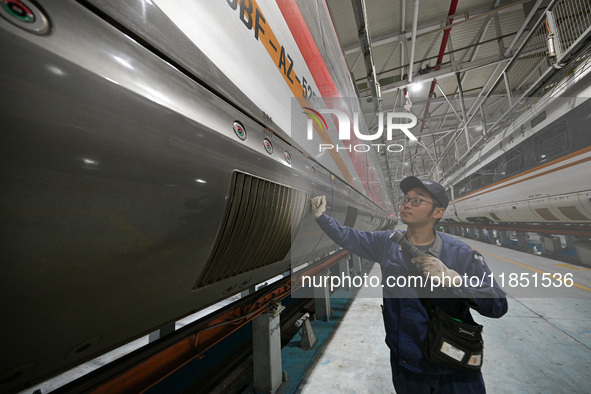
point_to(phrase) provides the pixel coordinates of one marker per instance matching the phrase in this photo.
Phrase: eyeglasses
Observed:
(415, 202)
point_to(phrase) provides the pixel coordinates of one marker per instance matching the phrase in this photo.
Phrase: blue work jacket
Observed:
(405, 318)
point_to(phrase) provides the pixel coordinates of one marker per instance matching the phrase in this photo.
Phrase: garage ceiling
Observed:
(458, 50)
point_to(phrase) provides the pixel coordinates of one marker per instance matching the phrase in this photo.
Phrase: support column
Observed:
(584, 252)
(503, 237)
(491, 236)
(266, 350)
(357, 264)
(521, 240)
(543, 244)
(344, 273)
(322, 297)
(481, 234)
(551, 244)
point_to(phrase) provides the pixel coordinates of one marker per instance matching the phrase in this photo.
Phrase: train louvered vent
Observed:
(258, 223)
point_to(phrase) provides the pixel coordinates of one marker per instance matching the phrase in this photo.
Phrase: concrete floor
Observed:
(356, 359)
(542, 344)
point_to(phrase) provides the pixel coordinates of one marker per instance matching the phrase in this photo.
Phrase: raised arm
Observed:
(366, 244)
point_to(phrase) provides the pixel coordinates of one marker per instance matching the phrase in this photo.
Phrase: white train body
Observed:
(558, 192)
(537, 171)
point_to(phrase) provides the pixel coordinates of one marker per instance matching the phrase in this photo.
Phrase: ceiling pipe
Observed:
(402, 31)
(365, 40)
(403, 17)
(413, 42)
(452, 11)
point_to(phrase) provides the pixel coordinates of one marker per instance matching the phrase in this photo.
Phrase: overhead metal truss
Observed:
(476, 87)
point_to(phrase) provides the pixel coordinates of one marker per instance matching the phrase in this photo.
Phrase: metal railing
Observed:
(572, 19)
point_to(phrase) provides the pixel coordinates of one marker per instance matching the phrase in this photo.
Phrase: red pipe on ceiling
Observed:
(452, 11)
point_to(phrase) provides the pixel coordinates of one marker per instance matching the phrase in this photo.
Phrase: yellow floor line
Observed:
(533, 269)
(573, 267)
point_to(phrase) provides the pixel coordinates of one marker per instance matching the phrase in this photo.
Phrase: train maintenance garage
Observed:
(295, 196)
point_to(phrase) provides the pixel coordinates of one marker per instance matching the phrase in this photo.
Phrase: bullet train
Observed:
(537, 169)
(152, 165)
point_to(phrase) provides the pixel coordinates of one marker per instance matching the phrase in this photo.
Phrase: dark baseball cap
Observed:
(437, 191)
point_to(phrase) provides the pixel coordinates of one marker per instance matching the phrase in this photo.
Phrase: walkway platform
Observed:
(542, 344)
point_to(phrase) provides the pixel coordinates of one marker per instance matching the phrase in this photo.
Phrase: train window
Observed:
(514, 161)
(475, 181)
(538, 119)
(463, 187)
(501, 167)
(490, 173)
(551, 142)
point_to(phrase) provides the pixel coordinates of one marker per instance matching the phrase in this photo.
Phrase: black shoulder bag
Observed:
(449, 341)
(453, 343)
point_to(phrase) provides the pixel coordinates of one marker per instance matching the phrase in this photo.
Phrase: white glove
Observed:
(318, 206)
(432, 266)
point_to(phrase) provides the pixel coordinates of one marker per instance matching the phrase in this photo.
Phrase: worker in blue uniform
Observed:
(467, 284)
